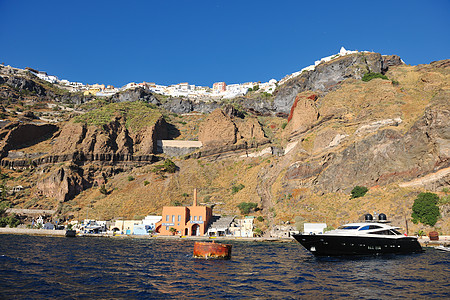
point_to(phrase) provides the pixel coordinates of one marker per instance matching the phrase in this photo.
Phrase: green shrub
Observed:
(170, 166)
(237, 188)
(369, 76)
(12, 221)
(130, 178)
(283, 125)
(425, 209)
(146, 182)
(260, 218)
(246, 207)
(358, 191)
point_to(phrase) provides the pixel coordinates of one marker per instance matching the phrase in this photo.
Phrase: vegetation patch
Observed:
(369, 76)
(358, 191)
(237, 188)
(246, 207)
(137, 114)
(425, 209)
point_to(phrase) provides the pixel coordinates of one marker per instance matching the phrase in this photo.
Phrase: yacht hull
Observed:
(335, 245)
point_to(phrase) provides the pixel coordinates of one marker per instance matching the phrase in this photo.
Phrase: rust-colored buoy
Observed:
(212, 250)
(434, 236)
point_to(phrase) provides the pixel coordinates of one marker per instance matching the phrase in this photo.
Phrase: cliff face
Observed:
(384, 157)
(112, 139)
(327, 76)
(17, 135)
(137, 94)
(220, 130)
(62, 184)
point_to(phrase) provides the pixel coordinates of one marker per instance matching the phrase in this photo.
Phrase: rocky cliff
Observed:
(327, 76)
(297, 154)
(220, 129)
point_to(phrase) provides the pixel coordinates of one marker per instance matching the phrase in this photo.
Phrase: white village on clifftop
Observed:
(219, 90)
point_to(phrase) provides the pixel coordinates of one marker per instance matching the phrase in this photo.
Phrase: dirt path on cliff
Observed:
(266, 178)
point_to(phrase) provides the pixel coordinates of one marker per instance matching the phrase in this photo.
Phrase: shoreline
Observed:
(61, 233)
(424, 241)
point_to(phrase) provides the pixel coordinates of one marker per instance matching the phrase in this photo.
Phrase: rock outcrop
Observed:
(62, 184)
(113, 139)
(136, 94)
(220, 130)
(303, 114)
(389, 156)
(18, 135)
(327, 76)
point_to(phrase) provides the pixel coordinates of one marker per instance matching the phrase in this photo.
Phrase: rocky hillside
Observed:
(297, 154)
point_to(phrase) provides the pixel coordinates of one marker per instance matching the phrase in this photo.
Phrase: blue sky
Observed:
(202, 42)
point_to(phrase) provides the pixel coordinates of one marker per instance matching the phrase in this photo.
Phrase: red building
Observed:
(187, 220)
(219, 87)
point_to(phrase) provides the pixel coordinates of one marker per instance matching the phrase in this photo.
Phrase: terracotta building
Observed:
(187, 220)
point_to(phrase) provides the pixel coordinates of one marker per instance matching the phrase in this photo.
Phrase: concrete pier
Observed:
(46, 232)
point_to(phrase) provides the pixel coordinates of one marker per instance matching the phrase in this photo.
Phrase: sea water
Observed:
(34, 267)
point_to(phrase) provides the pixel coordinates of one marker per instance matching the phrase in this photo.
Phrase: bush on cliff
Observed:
(369, 76)
(170, 166)
(246, 207)
(12, 221)
(425, 209)
(358, 191)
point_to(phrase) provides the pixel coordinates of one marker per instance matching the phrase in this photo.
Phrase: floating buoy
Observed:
(212, 250)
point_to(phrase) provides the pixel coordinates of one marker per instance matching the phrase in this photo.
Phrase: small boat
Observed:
(369, 238)
(443, 248)
(212, 250)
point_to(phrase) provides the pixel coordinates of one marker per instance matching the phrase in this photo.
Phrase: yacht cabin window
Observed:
(350, 227)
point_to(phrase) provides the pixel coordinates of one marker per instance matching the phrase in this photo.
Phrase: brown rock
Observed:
(303, 113)
(250, 129)
(217, 129)
(62, 184)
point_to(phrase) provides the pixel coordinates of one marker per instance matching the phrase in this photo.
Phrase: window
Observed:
(383, 232)
(349, 227)
(179, 218)
(367, 227)
(167, 218)
(173, 218)
(200, 218)
(195, 218)
(167, 227)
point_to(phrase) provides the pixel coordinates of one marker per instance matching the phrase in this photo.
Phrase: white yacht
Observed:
(367, 238)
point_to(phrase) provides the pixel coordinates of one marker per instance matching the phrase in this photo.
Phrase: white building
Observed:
(244, 227)
(151, 221)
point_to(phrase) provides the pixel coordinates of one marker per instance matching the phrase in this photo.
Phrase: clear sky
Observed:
(202, 42)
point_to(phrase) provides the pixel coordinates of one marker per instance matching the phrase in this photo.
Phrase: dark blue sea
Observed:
(33, 267)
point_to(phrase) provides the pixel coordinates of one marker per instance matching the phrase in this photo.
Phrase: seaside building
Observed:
(186, 220)
(125, 226)
(243, 227)
(150, 222)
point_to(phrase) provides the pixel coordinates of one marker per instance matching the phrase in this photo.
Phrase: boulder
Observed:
(303, 113)
(63, 184)
(136, 94)
(218, 128)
